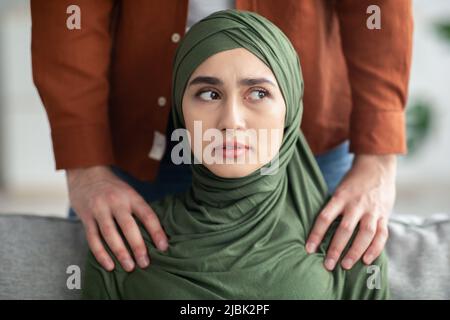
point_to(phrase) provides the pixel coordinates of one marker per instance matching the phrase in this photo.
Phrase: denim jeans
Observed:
(172, 178)
(335, 163)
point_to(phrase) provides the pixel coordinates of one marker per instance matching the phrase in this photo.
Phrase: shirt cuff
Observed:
(378, 132)
(83, 146)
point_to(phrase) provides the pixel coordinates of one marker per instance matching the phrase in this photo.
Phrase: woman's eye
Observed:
(258, 94)
(208, 95)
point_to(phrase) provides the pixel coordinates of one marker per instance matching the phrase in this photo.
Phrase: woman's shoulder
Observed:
(365, 282)
(162, 207)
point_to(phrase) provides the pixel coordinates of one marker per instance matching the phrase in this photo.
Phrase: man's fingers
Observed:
(323, 222)
(342, 236)
(366, 233)
(114, 240)
(378, 243)
(96, 245)
(133, 235)
(151, 222)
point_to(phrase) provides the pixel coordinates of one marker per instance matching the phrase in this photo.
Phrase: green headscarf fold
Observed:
(242, 238)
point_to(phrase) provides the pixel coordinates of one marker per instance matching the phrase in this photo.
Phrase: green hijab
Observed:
(242, 238)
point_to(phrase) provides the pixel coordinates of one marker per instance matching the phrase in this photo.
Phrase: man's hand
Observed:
(99, 198)
(366, 196)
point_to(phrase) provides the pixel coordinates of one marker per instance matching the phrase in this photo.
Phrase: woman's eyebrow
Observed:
(206, 80)
(255, 81)
(216, 81)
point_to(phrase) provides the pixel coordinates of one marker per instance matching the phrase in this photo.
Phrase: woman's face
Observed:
(234, 96)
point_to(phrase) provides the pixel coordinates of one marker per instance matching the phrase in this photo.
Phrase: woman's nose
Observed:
(232, 115)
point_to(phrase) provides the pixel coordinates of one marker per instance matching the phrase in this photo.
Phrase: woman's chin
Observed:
(233, 170)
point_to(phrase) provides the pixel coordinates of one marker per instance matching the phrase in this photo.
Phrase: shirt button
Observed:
(175, 37)
(162, 101)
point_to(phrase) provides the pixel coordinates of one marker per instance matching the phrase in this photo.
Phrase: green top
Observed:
(242, 238)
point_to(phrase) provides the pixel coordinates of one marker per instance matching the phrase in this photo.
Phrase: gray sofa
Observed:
(36, 252)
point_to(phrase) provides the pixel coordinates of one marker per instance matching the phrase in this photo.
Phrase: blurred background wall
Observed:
(29, 183)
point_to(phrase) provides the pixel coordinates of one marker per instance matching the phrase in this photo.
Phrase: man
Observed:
(106, 89)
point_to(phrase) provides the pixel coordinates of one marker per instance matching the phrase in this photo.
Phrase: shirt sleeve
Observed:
(378, 63)
(70, 71)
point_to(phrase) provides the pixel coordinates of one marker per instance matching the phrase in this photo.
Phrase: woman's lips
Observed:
(233, 149)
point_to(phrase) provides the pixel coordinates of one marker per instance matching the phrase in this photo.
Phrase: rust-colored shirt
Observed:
(106, 87)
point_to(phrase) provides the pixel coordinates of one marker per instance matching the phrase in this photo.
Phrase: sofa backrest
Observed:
(40, 255)
(35, 254)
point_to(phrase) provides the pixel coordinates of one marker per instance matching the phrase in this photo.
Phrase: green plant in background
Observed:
(418, 124)
(443, 29)
(419, 117)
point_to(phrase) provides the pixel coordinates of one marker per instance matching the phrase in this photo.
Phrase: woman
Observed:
(239, 232)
